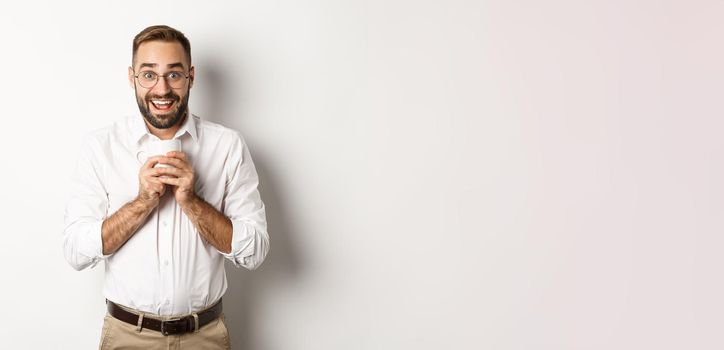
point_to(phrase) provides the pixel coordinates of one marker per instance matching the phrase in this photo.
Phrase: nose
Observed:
(162, 88)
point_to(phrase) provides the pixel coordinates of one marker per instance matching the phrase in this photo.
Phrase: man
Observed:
(164, 231)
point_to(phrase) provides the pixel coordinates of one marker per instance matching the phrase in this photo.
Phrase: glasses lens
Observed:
(176, 80)
(147, 79)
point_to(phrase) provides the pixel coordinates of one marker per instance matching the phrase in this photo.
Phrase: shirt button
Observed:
(167, 302)
(165, 224)
(165, 262)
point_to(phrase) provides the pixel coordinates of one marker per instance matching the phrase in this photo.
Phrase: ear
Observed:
(192, 73)
(131, 78)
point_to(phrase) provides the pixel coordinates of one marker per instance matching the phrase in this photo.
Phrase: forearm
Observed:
(213, 226)
(120, 226)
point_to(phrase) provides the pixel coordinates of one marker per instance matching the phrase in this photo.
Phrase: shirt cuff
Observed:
(242, 242)
(84, 245)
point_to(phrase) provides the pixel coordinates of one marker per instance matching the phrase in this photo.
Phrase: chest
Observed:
(123, 164)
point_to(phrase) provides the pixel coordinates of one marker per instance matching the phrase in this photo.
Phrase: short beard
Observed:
(163, 123)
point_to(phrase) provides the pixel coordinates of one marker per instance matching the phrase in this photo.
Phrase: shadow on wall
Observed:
(245, 287)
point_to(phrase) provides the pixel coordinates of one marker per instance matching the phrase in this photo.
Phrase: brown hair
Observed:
(161, 33)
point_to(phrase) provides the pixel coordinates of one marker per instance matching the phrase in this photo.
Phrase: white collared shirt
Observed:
(166, 267)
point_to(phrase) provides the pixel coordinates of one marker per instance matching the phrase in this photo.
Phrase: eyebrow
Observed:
(153, 65)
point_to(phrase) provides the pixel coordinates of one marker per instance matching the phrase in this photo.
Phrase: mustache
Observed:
(169, 96)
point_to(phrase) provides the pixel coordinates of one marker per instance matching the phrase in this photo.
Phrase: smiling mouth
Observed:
(162, 104)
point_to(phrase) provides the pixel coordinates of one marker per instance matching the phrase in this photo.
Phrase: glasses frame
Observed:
(158, 76)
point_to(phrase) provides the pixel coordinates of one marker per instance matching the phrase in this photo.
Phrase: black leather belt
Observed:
(179, 325)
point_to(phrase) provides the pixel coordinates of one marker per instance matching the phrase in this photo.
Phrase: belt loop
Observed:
(139, 326)
(196, 322)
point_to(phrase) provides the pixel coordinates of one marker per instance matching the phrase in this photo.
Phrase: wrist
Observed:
(189, 201)
(146, 204)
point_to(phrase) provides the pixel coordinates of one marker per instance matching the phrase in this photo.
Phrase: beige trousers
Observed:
(121, 335)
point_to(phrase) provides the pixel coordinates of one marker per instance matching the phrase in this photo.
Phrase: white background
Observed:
(437, 174)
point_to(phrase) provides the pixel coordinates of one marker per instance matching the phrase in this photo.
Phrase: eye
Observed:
(148, 75)
(174, 75)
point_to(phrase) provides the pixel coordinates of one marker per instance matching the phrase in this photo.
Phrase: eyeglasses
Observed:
(148, 79)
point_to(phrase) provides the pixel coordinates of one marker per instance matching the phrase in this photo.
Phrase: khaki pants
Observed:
(121, 335)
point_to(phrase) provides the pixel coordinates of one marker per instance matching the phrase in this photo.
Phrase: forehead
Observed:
(161, 53)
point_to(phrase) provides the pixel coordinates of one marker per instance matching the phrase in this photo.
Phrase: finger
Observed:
(175, 162)
(151, 173)
(176, 172)
(173, 181)
(153, 180)
(177, 154)
(151, 162)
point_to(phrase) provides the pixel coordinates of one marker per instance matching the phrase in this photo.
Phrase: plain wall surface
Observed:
(438, 174)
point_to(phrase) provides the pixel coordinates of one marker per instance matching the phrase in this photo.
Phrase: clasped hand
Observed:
(180, 176)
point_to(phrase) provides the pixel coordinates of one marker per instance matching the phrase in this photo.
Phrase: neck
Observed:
(165, 134)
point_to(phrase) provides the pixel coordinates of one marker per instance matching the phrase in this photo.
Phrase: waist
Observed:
(165, 292)
(167, 325)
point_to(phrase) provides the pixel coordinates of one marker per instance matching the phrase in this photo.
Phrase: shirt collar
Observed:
(139, 129)
(188, 126)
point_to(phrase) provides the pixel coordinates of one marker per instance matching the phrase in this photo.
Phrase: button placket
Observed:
(165, 250)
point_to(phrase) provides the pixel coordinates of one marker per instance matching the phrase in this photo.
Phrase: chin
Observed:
(166, 120)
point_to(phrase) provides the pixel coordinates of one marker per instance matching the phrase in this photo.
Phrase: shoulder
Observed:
(96, 140)
(218, 133)
(121, 125)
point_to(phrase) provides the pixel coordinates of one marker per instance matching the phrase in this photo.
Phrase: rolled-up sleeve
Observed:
(85, 211)
(244, 207)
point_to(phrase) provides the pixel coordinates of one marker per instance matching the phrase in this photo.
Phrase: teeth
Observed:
(158, 102)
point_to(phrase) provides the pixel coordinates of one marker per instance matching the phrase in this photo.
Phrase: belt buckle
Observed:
(172, 323)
